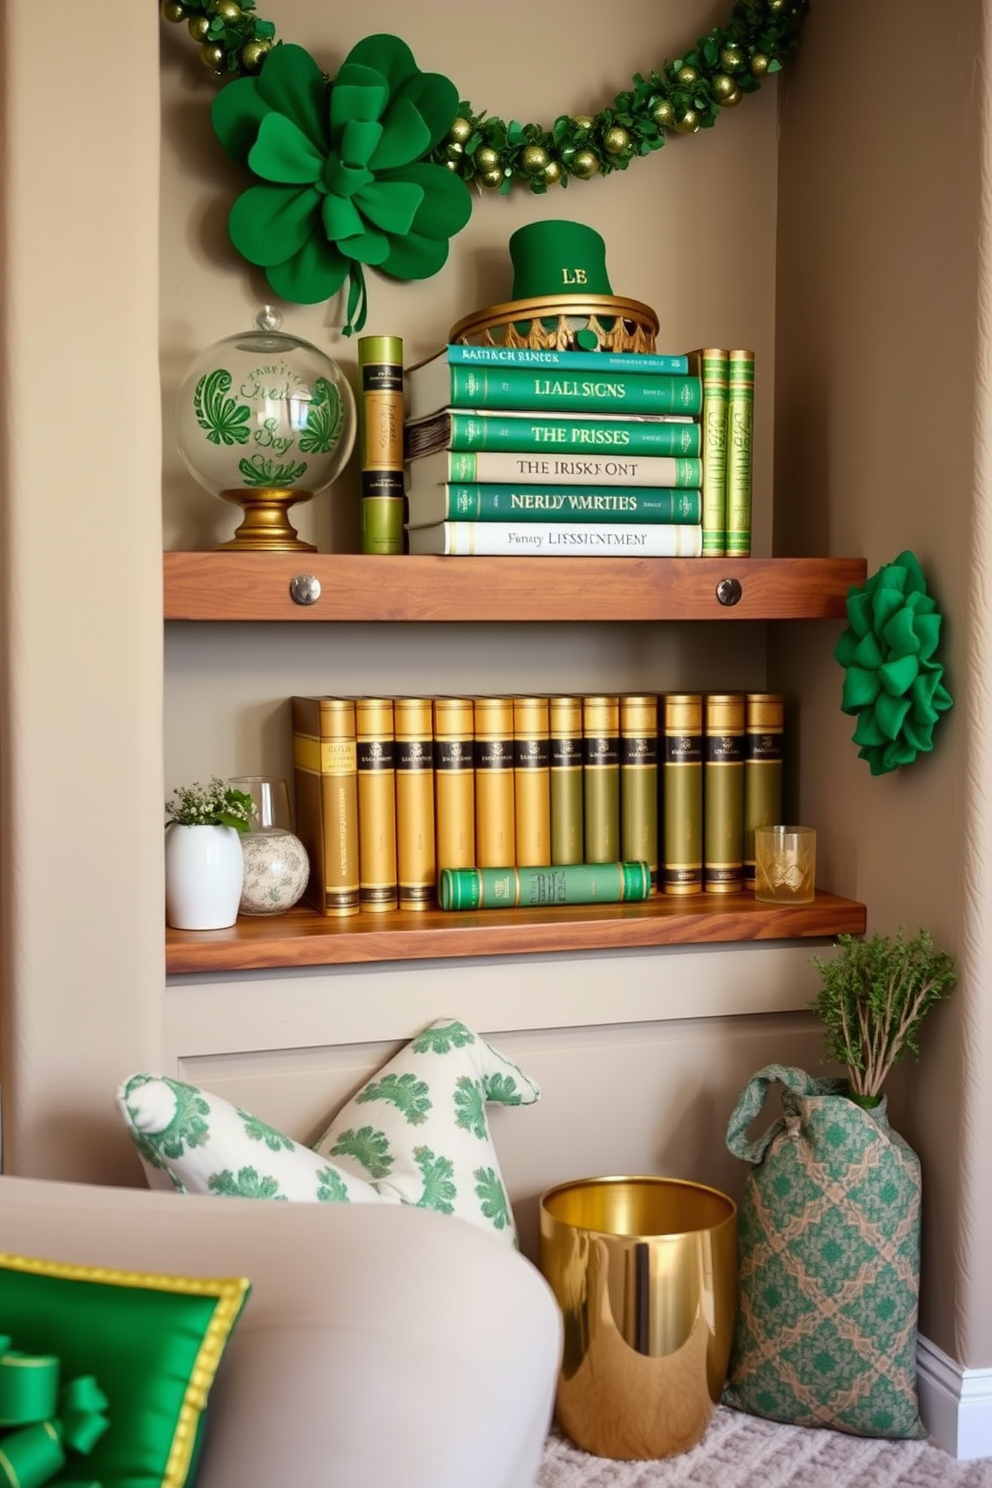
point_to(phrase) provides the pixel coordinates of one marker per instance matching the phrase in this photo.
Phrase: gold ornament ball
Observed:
(689, 122)
(212, 56)
(731, 59)
(776, 6)
(663, 114)
(171, 10)
(584, 165)
(616, 140)
(491, 179)
(687, 76)
(487, 159)
(552, 173)
(253, 54)
(535, 159)
(228, 10)
(759, 64)
(732, 99)
(722, 86)
(454, 150)
(582, 121)
(460, 131)
(199, 27)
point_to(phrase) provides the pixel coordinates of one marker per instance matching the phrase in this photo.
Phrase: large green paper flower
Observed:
(893, 680)
(345, 181)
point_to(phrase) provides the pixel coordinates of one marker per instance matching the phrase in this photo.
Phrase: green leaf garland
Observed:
(893, 678)
(489, 153)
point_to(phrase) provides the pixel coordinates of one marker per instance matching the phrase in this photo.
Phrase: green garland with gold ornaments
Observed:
(490, 154)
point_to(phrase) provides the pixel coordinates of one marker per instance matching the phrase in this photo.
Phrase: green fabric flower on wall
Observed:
(345, 182)
(893, 682)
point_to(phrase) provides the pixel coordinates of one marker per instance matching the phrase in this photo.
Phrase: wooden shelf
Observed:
(303, 938)
(219, 586)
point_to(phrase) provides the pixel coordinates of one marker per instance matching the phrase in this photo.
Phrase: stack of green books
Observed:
(554, 453)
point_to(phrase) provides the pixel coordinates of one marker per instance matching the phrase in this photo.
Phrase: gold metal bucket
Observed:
(645, 1273)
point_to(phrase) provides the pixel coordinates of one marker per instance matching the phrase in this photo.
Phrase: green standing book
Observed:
(682, 793)
(509, 431)
(740, 441)
(723, 792)
(639, 781)
(601, 777)
(565, 738)
(435, 385)
(541, 469)
(539, 503)
(380, 438)
(712, 365)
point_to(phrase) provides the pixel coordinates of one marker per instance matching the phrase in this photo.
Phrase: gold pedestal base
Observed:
(645, 1273)
(266, 526)
(551, 322)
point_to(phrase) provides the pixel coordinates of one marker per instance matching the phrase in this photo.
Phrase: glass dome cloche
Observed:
(265, 420)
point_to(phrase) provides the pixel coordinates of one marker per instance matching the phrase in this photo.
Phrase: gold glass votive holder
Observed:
(645, 1273)
(785, 865)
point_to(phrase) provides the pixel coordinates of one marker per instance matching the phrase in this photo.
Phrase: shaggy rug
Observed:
(742, 1451)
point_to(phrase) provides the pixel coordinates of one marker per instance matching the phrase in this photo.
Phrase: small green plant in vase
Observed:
(876, 993)
(215, 804)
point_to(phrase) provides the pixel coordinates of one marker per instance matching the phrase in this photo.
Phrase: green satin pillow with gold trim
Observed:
(151, 1343)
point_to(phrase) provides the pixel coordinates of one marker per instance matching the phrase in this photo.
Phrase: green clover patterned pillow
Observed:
(206, 1145)
(418, 1130)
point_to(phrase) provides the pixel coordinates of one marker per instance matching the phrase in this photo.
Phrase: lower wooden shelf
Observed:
(303, 938)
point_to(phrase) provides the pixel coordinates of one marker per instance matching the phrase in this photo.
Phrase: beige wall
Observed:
(691, 231)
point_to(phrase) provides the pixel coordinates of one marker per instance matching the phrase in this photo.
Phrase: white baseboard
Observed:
(955, 1403)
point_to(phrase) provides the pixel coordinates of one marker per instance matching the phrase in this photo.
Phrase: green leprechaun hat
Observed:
(555, 258)
(561, 298)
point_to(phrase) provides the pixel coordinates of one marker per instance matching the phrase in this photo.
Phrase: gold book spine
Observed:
(325, 758)
(565, 728)
(495, 807)
(682, 870)
(413, 721)
(454, 782)
(532, 780)
(723, 793)
(764, 726)
(601, 778)
(377, 887)
(639, 781)
(380, 438)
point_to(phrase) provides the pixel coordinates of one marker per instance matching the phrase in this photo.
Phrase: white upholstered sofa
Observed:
(380, 1344)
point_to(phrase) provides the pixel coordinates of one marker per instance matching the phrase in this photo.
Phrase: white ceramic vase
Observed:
(204, 875)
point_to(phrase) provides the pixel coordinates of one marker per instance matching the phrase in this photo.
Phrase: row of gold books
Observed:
(390, 791)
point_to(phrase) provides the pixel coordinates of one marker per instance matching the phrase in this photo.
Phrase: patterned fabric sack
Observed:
(829, 1240)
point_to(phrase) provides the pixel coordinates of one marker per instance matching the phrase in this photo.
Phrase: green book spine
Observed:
(601, 778)
(740, 441)
(723, 792)
(380, 439)
(569, 361)
(764, 722)
(377, 875)
(639, 781)
(495, 833)
(532, 780)
(549, 389)
(508, 888)
(712, 364)
(682, 793)
(558, 539)
(565, 728)
(496, 503)
(475, 430)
